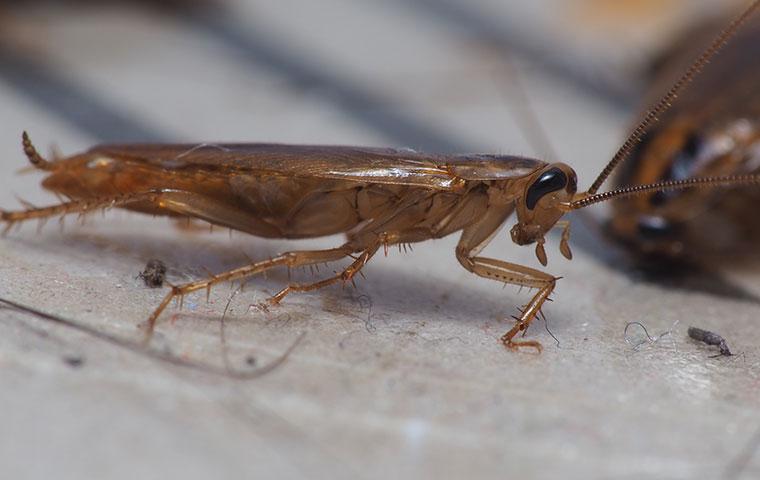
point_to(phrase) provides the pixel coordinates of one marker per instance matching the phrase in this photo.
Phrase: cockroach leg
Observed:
(289, 259)
(473, 240)
(517, 275)
(346, 275)
(177, 201)
(79, 206)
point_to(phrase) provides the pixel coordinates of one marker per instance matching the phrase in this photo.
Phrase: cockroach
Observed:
(713, 129)
(377, 197)
(154, 273)
(710, 338)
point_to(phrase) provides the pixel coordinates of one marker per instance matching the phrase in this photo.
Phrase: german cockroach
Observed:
(713, 129)
(377, 197)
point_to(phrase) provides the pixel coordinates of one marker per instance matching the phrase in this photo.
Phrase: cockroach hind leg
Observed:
(343, 276)
(289, 259)
(76, 207)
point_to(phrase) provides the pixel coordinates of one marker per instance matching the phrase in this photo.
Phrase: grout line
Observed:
(370, 109)
(61, 96)
(509, 39)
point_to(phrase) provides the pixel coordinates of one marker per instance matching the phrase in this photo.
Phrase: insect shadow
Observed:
(433, 297)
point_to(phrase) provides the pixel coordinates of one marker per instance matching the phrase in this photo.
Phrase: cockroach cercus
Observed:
(377, 197)
(713, 129)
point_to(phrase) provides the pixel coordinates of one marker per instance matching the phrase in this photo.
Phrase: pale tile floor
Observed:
(415, 385)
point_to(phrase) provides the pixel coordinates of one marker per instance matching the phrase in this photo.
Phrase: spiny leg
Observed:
(344, 276)
(78, 206)
(371, 243)
(161, 201)
(288, 259)
(515, 274)
(474, 239)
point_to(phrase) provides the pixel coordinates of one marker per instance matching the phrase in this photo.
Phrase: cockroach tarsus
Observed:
(710, 338)
(154, 273)
(377, 197)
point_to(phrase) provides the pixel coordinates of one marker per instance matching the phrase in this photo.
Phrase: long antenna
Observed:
(652, 115)
(635, 190)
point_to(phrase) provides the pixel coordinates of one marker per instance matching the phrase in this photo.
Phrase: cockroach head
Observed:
(546, 194)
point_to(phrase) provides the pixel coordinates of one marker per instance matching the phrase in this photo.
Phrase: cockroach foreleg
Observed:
(474, 239)
(515, 274)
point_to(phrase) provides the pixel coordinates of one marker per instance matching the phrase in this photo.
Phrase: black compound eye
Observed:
(572, 184)
(549, 181)
(686, 160)
(692, 145)
(683, 166)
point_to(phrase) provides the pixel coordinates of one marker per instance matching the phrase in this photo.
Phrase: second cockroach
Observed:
(713, 129)
(376, 197)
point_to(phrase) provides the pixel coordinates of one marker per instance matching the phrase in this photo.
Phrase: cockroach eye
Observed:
(572, 183)
(684, 163)
(654, 228)
(549, 181)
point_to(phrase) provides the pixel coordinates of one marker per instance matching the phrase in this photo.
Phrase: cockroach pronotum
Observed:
(713, 129)
(377, 197)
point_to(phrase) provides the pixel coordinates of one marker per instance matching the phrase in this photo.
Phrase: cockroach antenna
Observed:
(635, 190)
(652, 116)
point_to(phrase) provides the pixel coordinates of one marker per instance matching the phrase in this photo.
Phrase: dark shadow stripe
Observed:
(554, 62)
(62, 97)
(371, 110)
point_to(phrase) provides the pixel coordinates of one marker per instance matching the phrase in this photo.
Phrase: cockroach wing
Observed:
(358, 164)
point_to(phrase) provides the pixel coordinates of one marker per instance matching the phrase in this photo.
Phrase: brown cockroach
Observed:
(377, 197)
(713, 129)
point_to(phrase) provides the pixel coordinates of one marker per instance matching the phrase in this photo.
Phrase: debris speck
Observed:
(710, 338)
(154, 273)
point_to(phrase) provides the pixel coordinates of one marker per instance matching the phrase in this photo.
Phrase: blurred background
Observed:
(428, 390)
(416, 73)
